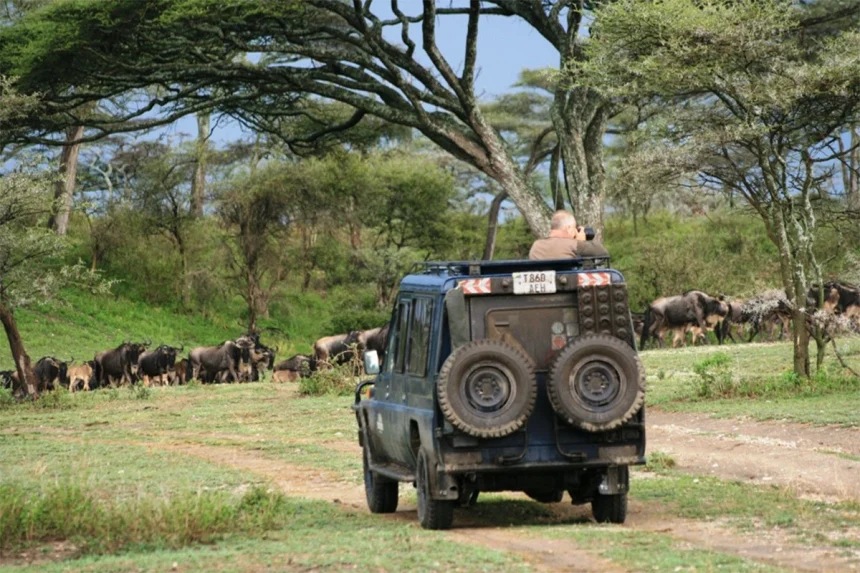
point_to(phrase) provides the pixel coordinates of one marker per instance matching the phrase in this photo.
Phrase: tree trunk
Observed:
(579, 117)
(64, 188)
(19, 354)
(493, 225)
(554, 186)
(198, 184)
(801, 344)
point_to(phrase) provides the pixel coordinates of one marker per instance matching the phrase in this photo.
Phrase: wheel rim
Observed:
(489, 387)
(596, 384)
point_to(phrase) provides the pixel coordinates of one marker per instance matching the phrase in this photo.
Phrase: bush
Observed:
(7, 399)
(99, 526)
(335, 380)
(659, 461)
(715, 377)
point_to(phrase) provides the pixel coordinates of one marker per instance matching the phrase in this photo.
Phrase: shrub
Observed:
(659, 461)
(714, 377)
(106, 526)
(7, 399)
(331, 379)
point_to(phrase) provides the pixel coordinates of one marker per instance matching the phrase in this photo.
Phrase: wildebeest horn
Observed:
(181, 348)
(147, 342)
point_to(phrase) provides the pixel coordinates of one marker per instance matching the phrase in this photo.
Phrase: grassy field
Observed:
(758, 384)
(255, 477)
(142, 458)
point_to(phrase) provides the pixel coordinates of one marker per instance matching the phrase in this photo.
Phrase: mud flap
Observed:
(616, 480)
(458, 320)
(443, 486)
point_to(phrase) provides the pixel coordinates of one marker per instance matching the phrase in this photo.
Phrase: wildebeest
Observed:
(81, 376)
(293, 368)
(157, 363)
(678, 312)
(180, 373)
(8, 379)
(375, 339)
(119, 364)
(767, 312)
(336, 349)
(216, 363)
(50, 373)
(739, 317)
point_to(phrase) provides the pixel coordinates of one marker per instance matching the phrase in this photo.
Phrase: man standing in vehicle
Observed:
(565, 241)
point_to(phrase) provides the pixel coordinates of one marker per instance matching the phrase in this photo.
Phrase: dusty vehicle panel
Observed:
(483, 389)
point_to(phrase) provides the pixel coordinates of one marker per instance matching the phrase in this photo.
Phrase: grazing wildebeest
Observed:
(262, 358)
(51, 373)
(769, 316)
(216, 363)
(157, 363)
(293, 368)
(119, 364)
(678, 312)
(336, 349)
(737, 317)
(81, 376)
(375, 339)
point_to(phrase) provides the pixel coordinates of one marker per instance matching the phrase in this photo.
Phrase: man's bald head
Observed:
(562, 220)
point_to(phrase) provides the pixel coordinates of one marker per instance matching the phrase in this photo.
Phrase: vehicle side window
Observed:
(402, 336)
(419, 343)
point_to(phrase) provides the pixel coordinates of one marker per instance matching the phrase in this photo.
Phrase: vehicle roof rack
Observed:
(477, 268)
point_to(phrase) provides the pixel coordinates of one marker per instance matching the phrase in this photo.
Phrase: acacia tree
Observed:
(753, 105)
(254, 211)
(382, 63)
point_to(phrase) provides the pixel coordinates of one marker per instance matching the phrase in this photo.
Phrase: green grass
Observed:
(761, 386)
(93, 525)
(292, 534)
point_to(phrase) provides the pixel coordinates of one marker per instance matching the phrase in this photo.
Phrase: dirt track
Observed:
(804, 458)
(784, 454)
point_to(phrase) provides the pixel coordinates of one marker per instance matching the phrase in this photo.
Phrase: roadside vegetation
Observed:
(754, 381)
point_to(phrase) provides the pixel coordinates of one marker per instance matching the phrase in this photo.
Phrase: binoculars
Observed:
(589, 234)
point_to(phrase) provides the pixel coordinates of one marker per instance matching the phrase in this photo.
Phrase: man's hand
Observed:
(580, 234)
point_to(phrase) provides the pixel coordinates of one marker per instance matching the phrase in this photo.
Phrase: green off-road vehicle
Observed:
(505, 376)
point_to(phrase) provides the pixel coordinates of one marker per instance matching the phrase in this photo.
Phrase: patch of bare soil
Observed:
(797, 456)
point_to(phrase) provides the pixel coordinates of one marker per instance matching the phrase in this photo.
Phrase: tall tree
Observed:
(753, 105)
(382, 64)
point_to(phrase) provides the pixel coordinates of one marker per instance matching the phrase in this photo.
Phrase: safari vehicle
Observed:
(505, 376)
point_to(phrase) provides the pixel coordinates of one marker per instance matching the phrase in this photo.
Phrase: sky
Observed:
(506, 46)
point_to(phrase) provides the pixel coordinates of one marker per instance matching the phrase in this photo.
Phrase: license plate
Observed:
(534, 282)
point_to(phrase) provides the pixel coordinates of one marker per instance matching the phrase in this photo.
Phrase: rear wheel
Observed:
(545, 496)
(432, 513)
(381, 492)
(609, 508)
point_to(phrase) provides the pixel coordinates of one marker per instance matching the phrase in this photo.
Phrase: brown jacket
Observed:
(560, 248)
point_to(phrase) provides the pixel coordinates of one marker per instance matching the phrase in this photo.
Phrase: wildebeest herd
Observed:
(697, 313)
(240, 360)
(245, 358)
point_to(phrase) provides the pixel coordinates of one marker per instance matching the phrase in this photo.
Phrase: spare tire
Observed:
(487, 388)
(596, 383)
